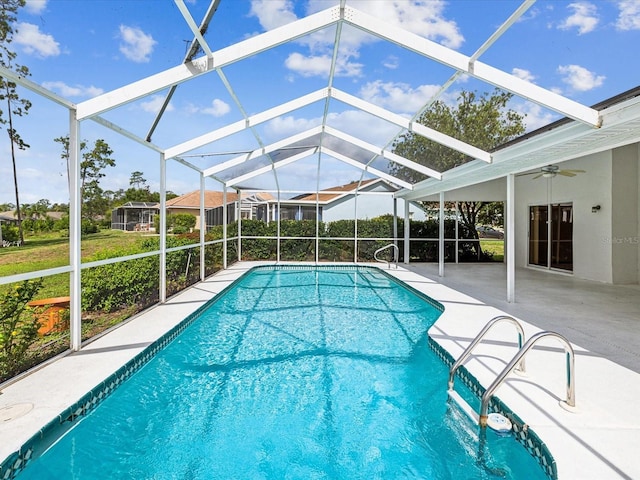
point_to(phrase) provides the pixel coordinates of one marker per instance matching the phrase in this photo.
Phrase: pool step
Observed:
(463, 406)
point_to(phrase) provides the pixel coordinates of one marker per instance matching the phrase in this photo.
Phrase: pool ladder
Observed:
(516, 364)
(396, 254)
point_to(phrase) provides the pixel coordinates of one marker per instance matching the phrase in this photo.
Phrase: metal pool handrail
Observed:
(570, 365)
(500, 318)
(396, 254)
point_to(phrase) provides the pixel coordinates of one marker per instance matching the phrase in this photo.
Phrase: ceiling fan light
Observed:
(548, 174)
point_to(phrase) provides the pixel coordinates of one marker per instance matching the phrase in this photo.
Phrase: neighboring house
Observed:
(374, 198)
(213, 201)
(135, 216)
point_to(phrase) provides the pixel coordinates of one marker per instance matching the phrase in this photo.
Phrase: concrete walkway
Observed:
(604, 319)
(599, 441)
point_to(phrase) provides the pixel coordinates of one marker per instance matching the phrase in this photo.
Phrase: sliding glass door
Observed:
(551, 236)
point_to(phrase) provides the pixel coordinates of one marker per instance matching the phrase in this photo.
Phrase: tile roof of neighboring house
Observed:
(212, 199)
(335, 191)
(10, 216)
(261, 196)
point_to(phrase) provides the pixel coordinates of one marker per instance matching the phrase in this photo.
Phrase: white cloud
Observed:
(35, 7)
(424, 18)
(523, 74)
(72, 91)
(136, 45)
(283, 127)
(579, 78)
(353, 122)
(154, 104)
(398, 97)
(218, 108)
(319, 65)
(584, 18)
(391, 62)
(535, 115)
(273, 13)
(629, 16)
(33, 41)
(421, 17)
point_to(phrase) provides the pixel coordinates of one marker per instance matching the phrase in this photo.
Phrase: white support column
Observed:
(225, 220)
(395, 221)
(75, 231)
(163, 230)
(457, 230)
(239, 224)
(203, 228)
(355, 228)
(278, 240)
(441, 237)
(509, 238)
(407, 232)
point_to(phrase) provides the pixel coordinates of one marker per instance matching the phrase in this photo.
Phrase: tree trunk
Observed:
(15, 172)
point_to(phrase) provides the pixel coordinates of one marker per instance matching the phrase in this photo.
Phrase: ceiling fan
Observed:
(550, 171)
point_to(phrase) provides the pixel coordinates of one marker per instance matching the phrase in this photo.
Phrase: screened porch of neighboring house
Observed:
(135, 217)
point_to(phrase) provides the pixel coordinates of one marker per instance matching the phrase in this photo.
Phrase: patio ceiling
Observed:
(325, 144)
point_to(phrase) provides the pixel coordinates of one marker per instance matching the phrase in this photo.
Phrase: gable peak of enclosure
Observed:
(328, 146)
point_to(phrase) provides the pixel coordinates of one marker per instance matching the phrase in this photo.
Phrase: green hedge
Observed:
(333, 249)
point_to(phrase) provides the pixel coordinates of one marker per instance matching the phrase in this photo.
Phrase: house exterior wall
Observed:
(191, 211)
(591, 250)
(624, 239)
(369, 206)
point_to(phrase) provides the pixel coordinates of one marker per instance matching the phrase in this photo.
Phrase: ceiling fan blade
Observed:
(537, 176)
(566, 173)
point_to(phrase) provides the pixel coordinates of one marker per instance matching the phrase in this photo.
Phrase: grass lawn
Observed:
(496, 247)
(51, 250)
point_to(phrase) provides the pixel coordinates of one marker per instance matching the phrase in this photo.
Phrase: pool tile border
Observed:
(522, 433)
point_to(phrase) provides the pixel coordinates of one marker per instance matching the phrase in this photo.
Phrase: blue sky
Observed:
(585, 50)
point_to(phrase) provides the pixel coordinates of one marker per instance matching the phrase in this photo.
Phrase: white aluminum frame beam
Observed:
(34, 87)
(365, 168)
(193, 27)
(464, 63)
(384, 153)
(415, 127)
(262, 151)
(273, 166)
(220, 58)
(251, 121)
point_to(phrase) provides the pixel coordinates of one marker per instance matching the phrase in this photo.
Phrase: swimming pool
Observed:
(291, 373)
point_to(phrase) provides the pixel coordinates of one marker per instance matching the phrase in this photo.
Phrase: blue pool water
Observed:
(290, 374)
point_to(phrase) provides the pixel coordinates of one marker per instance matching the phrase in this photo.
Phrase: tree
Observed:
(137, 181)
(482, 121)
(92, 167)
(16, 106)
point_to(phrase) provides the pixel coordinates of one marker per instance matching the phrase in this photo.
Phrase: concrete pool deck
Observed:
(599, 441)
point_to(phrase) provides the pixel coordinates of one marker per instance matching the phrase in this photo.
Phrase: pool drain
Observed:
(11, 412)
